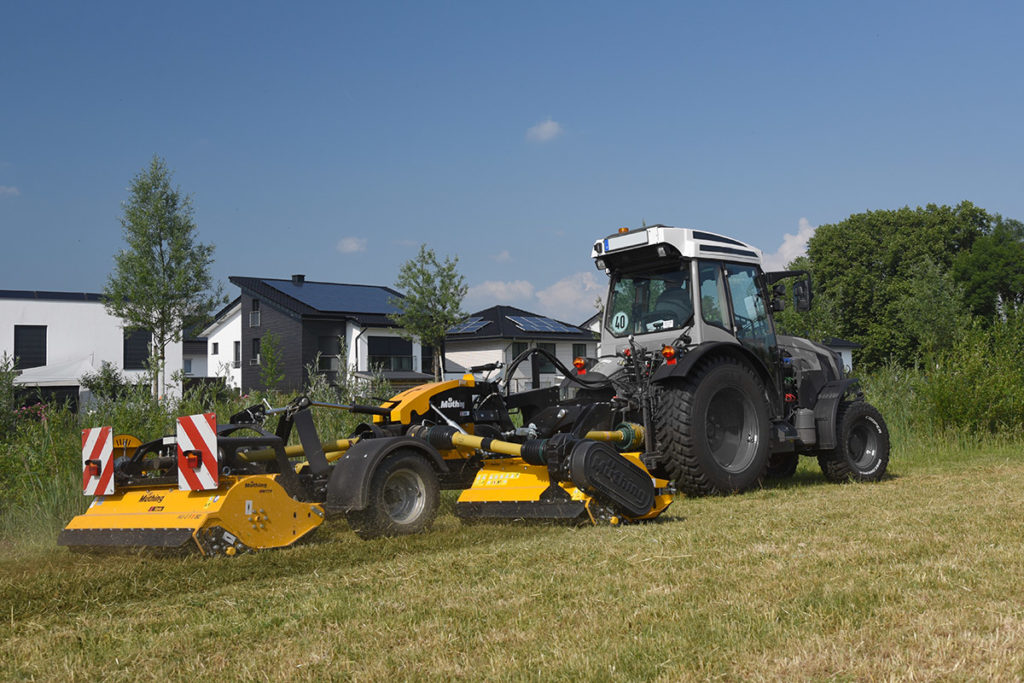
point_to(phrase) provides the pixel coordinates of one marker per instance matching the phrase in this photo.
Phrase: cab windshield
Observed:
(641, 304)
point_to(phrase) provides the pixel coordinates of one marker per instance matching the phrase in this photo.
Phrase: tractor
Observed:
(727, 399)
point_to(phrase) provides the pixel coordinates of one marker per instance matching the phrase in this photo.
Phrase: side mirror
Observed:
(778, 305)
(802, 295)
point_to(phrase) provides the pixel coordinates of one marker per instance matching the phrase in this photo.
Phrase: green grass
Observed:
(918, 576)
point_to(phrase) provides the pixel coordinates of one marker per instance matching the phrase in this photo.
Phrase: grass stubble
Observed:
(917, 577)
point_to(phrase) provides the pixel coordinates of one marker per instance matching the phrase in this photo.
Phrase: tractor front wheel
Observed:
(403, 498)
(862, 445)
(712, 428)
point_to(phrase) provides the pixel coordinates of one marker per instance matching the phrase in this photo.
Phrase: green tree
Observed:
(862, 268)
(161, 280)
(992, 272)
(931, 309)
(432, 302)
(271, 361)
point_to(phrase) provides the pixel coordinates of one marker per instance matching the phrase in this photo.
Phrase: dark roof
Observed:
(509, 322)
(366, 303)
(837, 343)
(227, 307)
(49, 296)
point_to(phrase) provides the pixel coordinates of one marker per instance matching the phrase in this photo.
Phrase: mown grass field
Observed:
(917, 577)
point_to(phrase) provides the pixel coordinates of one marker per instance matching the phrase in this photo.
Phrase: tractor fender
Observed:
(685, 364)
(825, 408)
(349, 484)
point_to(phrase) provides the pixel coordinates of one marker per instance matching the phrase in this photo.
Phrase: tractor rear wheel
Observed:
(403, 498)
(862, 445)
(712, 428)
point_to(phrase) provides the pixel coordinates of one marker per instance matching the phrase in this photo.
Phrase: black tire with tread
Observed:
(686, 438)
(862, 445)
(403, 498)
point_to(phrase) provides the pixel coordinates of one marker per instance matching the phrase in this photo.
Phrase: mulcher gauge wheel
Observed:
(862, 445)
(403, 498)
(712, 429)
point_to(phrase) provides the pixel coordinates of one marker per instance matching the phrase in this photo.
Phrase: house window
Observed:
(517, 349)
(238, 354)
(255, 360)
(187, 366)
(330, 353)
(29, 346)
(254, 314)
(427, 359)
(390, 353)
(579, 351)
(214, 349)
(136, 349)
(544, 364)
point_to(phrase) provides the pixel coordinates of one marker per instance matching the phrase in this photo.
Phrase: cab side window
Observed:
(750, 315)
(714, 304)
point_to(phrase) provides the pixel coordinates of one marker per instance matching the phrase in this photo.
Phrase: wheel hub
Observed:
(404, 496)
(729, 429)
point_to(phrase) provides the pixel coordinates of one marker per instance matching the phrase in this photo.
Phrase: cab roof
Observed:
(687, 242)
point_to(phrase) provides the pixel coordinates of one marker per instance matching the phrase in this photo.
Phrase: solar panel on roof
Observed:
(536, 324)
(326, 296)
(469, 326)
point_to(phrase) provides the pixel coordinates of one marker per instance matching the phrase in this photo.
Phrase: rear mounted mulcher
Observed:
(231, 488)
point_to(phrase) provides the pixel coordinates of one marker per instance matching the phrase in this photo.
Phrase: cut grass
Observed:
(915, 577)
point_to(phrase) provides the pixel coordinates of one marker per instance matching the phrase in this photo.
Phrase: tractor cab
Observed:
(681, 287)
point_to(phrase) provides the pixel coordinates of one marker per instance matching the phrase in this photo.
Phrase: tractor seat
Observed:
(674, 303)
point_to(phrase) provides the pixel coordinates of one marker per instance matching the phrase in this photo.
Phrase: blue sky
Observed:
(331, 139)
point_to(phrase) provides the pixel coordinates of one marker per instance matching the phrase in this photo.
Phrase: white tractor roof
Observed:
(690, 243)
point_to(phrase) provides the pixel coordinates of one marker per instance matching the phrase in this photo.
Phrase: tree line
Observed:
(908, 284)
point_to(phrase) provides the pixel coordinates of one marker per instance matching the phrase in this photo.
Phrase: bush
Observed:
(978, 385)
(973, 388)
(107, 383)
(8, 397)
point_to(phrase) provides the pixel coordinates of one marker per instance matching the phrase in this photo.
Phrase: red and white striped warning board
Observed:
(98, 461)
(197, 452)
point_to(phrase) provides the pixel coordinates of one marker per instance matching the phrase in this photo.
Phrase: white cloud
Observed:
(545, 131)
(571, 299)
(791, 247)
(486, 294)
(350, 245)
(502, 256)
(9, 191)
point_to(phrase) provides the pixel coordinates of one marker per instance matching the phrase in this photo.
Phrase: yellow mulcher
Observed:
(230, 488)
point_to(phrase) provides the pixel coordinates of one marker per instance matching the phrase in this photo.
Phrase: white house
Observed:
(224, 345)
(309, 321)
(57, 337)
(501, 333)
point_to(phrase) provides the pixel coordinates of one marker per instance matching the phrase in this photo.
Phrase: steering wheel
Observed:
(744, 326)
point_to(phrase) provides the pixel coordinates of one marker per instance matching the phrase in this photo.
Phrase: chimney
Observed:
(298, 279)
